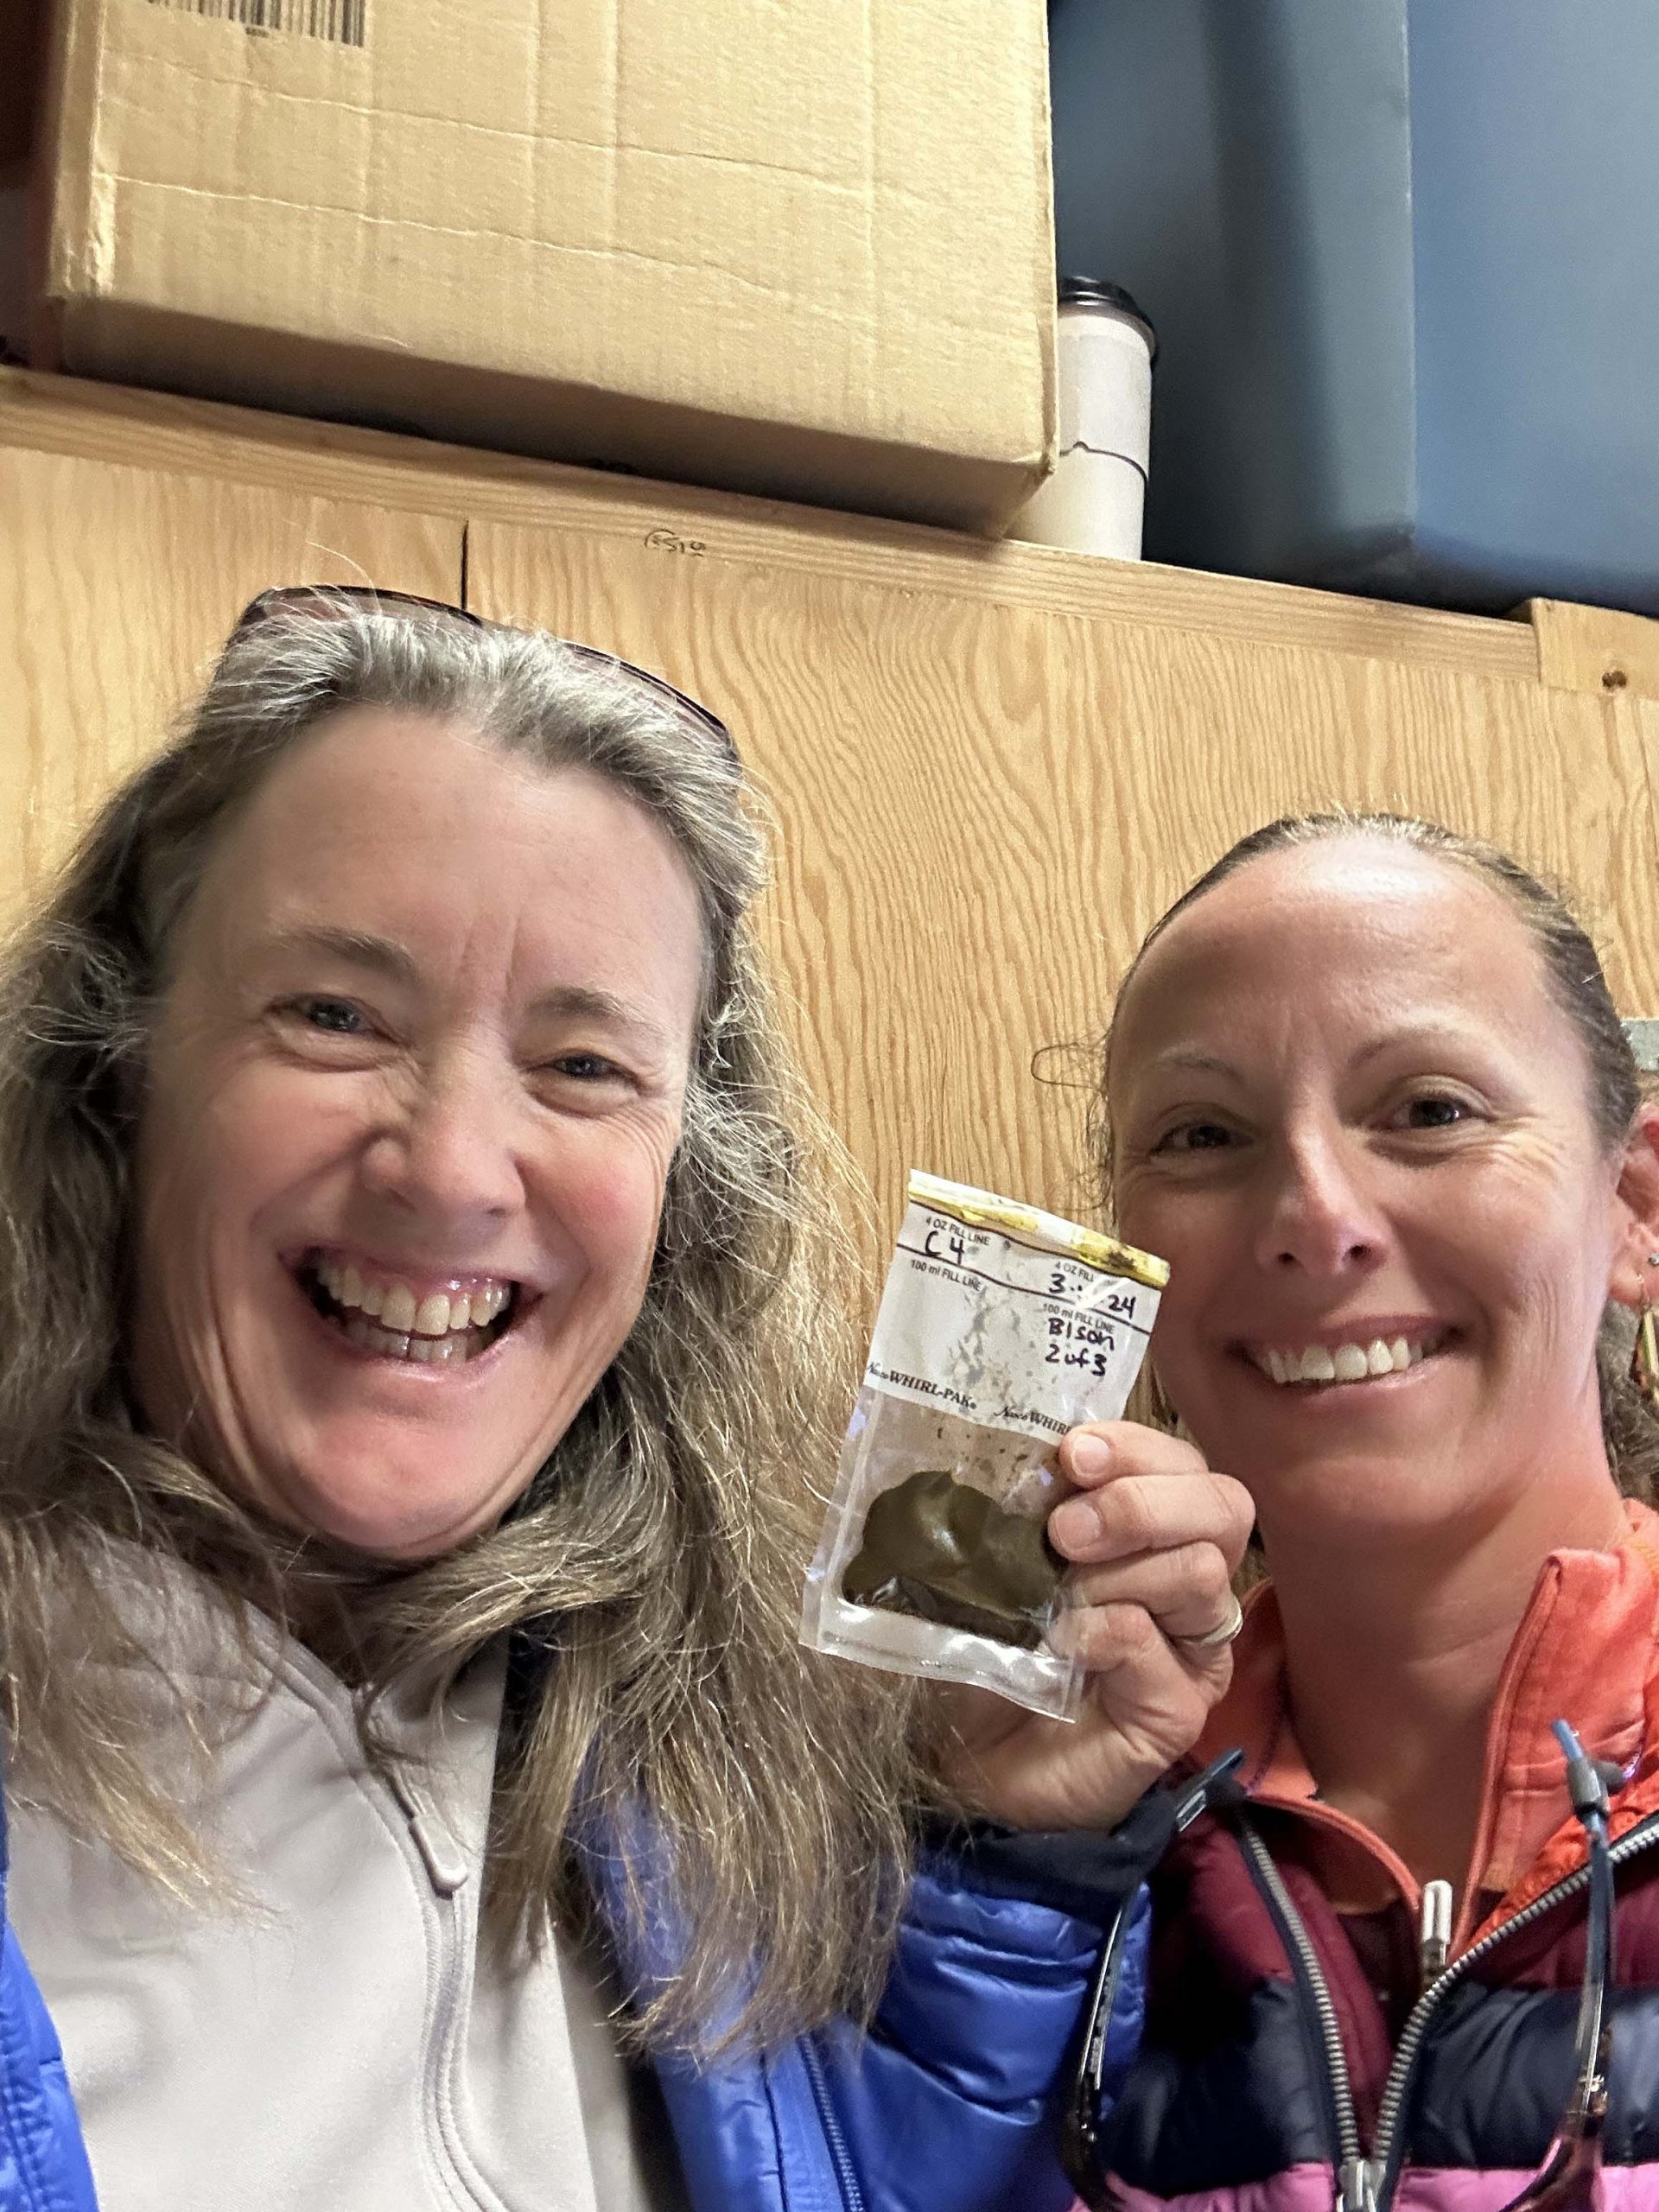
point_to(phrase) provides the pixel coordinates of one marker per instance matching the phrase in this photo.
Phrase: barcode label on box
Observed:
(344, 22)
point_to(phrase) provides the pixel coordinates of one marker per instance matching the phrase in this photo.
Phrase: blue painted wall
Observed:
(1404, 259)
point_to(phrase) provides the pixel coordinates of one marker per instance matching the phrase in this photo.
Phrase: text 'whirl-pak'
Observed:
(1001, 1328)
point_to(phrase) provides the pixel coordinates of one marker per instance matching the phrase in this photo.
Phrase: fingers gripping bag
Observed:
(1001, 1327)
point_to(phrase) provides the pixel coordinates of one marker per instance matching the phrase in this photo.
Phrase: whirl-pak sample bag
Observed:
(1001, 1328)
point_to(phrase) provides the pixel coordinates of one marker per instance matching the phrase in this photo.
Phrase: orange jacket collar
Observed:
(1586, 1651)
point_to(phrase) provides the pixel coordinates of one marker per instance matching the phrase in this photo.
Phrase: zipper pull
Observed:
(1357, 2182)
(445, 1861)
(1437, 1928)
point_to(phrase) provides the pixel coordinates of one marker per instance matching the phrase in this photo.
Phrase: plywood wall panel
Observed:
(117, 586)
(197, 437)
(1595, 649)
(982, 805)
(992, 767)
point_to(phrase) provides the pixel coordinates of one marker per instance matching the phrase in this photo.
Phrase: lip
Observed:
(301, 1268)
(1439, 1337)
(1300, 1336)
(423, 1277)
(409, 1373)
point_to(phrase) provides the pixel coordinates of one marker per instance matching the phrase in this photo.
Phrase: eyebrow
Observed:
(589, 1004)
(382, 956)
(1190, 1061)
(377, 954)
(1432, 1032)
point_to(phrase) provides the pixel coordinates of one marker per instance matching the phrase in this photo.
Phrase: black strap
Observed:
(1152, 1826)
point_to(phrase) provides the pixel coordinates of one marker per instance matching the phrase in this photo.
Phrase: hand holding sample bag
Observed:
(1001, 1328)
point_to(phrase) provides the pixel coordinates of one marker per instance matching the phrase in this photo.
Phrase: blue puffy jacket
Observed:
(43, 2164)
(951, 2100)
(950, 2103)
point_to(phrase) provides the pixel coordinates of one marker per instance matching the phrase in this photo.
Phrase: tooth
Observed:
(1416, 1352)
(394, 1342)
(1400, 1353)
(1379, 1360)
(358, 1330)
(374, 1297)
(398, 1312)
(1317, 1365)
(446, 1351)
(326, 1275)
(432, 1318)
(461, 1310)
(1351, 1363)
(350, 1291)
(423, 1349)
(1274, 1364)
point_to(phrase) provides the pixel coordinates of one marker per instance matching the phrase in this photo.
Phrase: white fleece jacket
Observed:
(340, 2044)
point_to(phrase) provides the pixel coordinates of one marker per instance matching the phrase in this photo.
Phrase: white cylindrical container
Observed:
(1094, 501)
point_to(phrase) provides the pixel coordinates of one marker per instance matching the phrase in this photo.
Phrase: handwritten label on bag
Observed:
(978, 1323)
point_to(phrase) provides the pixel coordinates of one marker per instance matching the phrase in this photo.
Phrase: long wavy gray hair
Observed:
(652, 1569)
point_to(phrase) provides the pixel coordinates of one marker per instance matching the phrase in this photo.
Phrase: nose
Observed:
(447, 1149)
(1318, 1214)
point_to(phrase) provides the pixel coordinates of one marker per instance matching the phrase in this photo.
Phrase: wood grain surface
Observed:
(982, 807)
(67, 414)
(991, 767)
(117, 587)
(1594, 648)
(1637, 722)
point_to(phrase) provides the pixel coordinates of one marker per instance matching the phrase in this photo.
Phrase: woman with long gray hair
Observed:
(416, 1360)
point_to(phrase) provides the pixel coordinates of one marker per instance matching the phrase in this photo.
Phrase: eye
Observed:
(587, 1068)
(333, 1017)
(1194, 1136)
(1433, 1111)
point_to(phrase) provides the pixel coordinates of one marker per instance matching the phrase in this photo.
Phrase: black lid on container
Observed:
(1095, 292)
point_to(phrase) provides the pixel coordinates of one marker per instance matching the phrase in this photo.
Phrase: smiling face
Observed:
(416, 1084)
(1349, 1114)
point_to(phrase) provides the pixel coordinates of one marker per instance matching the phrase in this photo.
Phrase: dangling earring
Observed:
(1644, 1358)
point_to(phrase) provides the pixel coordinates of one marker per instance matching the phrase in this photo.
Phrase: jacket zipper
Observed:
(851, 2194)
(1368, 2185)
(447, 1892)
(1355, 2190)
(1392, 2109)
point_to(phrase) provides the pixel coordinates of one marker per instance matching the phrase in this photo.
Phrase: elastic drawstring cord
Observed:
(1567, 2181)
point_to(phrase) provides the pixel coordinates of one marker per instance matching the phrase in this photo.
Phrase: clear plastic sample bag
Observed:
(1001, 1328)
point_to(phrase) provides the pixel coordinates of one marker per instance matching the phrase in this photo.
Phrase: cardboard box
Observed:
(803, 250)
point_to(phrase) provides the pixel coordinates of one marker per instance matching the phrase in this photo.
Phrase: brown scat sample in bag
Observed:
(1001, 1328)
(939, 1550)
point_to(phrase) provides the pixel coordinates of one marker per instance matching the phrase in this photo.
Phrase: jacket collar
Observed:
(1586, 1650)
